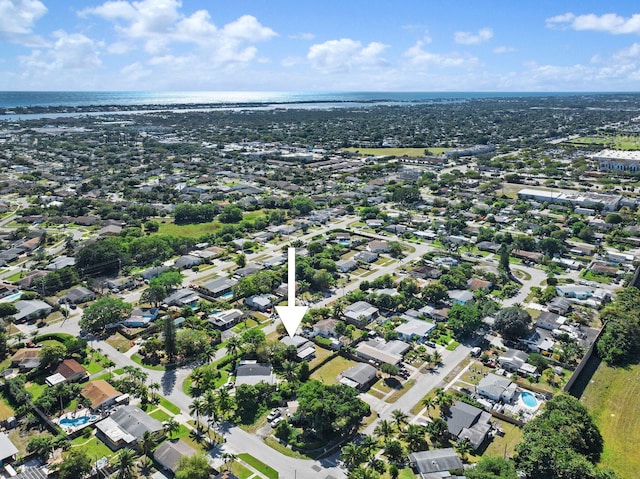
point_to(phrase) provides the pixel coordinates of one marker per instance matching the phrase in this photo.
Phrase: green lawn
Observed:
(328, 373)
(618, 142)
(612, 398)
(188, 231)
(169, 406)
(5, 409)
(240, 471)
(94, 367)
(94, 447)
(160, 415)
(503, 445)
(260, 466)
(35, 389)
(136, 358)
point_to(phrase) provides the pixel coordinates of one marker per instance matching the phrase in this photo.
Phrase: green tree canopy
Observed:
(103, 312)
(193, 467)
(512, 322)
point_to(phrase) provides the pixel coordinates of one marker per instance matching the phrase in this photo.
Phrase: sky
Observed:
(320, 45)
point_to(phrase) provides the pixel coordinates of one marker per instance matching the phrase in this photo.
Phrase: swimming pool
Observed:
(77, 421)
(528, 399)
(11, 297)
(345, 242)
(228, 295)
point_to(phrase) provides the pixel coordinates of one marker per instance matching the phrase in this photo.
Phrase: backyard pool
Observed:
(528, 399)
(227, 296)
(11, 298)
(77, 421)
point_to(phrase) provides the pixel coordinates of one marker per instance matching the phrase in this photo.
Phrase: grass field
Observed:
(6, 411)
(328, 373)
(413, 152)
(612, 398)
(259, 466)
(618, 142)
(188, 231)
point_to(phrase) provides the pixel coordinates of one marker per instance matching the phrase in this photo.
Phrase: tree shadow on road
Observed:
(168, 381)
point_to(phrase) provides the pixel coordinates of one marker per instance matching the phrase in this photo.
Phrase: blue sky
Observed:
(328, 45)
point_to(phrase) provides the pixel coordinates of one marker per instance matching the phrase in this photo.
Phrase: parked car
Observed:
(276, 421)
(273, 415)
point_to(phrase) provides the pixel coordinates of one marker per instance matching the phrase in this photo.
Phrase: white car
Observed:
(276, 421)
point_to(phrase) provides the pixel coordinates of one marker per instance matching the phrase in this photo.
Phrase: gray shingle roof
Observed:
(436, 460)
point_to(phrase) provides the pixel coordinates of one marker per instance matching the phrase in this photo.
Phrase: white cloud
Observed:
(469, 38)
(560, 21)
(609, 23)
(159, 24)
(69, 53)
(346, 54)
(17, 19)
(419, 56)
(503, 49)
(19, 16)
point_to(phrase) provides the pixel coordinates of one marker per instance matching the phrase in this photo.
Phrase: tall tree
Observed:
(75, 464)
(169, 337)
(103, 312)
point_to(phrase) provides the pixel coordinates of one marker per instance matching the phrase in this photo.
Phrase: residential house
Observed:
(378, 246)
(361, 312)
(247, 270)
(26, 359)
(513, 359)
(168, 454)
(436, 463)
(475, 284)
(415, 330)
(346, 265)
(110, 230)
(366, 257)
(182, 297)
(259, 302)
(550, 321)
(390, 352)
(226, 475)
(325, 328)
(468, 422)
(100, 394)
(488, 246)
(532, 256)
(576, 291)
(305, 349)
(187, 261)
(126, 426)
(497, 388)
(425, 271)
(252, 372)
(29, 310)
(218, 287)
(27, 281)
(8, 450)
(225, 319)
(72, 371)
(141, 317)
(77, 295)
(151, 273)
(559, 306)
(120, 284)
(361, 376)
(460, 296)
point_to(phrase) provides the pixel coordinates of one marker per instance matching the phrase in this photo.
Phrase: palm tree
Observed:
(228, 458)
(384, 429)
(171, 426)
(436, 357)
(154, 387)
(147, 443)
(363, 473)
(234, 346)
(428, 403)
(352, 455)
(463, 447)
(197, 407)
(289, 370)
(376, 464)
(368, 445)
(400, 418)
(125, 464)
(414, 436)
(207, 354)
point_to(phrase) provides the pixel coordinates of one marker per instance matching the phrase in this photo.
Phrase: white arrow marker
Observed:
(291, 315)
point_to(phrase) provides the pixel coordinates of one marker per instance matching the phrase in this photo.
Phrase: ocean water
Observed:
(16, 99)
